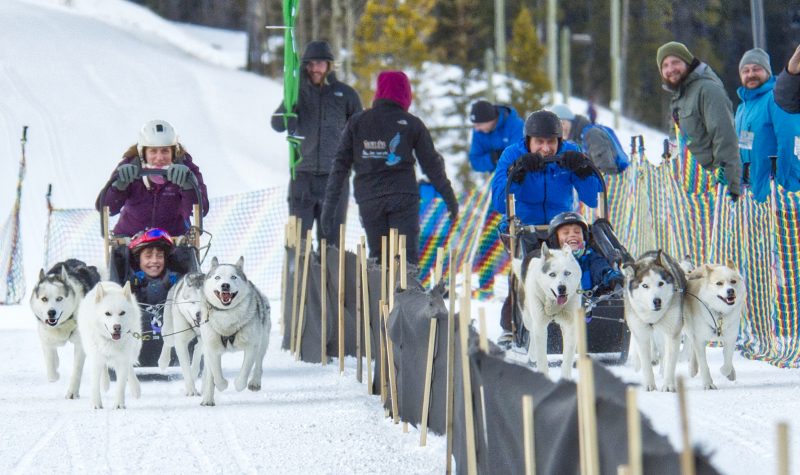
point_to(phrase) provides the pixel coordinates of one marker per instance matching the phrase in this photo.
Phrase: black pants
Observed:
(394, 211)
(306, 198)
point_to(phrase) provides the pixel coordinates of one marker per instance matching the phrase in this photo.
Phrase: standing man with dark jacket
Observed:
(787, 86)
(324, 106)
(495, 127)
(382, 144)
(702, 111)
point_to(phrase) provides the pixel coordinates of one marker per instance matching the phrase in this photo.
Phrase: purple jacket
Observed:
(164, 206)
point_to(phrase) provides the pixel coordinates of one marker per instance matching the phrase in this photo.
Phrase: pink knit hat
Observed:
(394, 85)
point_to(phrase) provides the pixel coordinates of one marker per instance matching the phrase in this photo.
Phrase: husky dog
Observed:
(55, 301)
(238, 320)
(184, 312)
(548, 291)
(653, 309)
(714, 304)
(110, 323)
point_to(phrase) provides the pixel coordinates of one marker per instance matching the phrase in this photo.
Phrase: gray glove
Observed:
(180, 175)
(126, 174)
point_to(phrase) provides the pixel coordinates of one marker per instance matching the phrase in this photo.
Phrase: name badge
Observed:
(797, 146)
(746, 140)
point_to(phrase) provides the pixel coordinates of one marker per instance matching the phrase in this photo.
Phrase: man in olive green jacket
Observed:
(702, 111)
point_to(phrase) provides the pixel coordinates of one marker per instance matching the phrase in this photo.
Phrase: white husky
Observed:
(653, 308)
(238, 320)
(714, 304)
(548, 291)
(55, 301)
(184, 312)
(109, 320)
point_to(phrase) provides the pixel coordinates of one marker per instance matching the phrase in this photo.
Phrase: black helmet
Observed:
(544, 124)
(319, 50)
(567, 217)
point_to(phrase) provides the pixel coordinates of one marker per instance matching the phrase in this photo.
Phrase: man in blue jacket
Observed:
(545, 172)
(765, 129)
(495, 128)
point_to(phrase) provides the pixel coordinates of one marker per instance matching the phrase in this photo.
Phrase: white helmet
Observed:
(156, 133)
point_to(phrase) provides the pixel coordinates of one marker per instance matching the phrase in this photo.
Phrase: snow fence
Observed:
(497, 385)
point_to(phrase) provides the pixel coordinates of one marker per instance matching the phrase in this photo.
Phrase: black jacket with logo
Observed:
(382, 144)
(322, 113)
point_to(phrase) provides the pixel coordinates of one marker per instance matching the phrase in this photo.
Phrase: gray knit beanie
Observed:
(756, 56)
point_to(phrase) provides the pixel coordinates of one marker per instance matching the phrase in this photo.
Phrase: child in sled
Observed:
(597, 274)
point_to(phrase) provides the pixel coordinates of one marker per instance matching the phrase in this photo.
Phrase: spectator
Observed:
(787, 87)
(764, 129)
(154, 201)
(702, 111)
(495, 128)
(323, 108)
(382, 144)
(596, 141)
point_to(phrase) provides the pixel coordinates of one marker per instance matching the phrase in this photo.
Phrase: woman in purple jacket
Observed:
(154, 201)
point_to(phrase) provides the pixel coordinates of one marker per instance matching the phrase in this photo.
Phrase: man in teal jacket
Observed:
(764, 129)
(701, 109)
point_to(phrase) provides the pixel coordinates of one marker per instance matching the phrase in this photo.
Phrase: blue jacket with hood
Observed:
(765, 129)
(487, 147)
(542, 195)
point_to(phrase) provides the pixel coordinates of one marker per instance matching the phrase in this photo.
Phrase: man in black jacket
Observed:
(787, 86)
(382, 144)
(323, 107)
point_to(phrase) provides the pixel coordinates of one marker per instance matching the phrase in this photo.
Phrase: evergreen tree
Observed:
(392, 34)
(525, 58)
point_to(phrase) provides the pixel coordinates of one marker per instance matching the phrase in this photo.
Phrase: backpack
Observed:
(603, 147)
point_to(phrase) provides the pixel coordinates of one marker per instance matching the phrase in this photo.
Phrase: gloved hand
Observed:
(577, 163)
(126, 174)
(613, 278)
(495, 156)
(291, 125)
(180, 175)
(453, 209)
(516, 172)
(532, 162)
(734, 197)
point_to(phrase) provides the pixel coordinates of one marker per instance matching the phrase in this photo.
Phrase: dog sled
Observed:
(184, 258)
(608, 336)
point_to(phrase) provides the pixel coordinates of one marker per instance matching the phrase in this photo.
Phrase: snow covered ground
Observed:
(84, 78)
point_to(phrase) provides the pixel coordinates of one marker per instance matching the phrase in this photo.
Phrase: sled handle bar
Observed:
(161, 172)
(557, 160)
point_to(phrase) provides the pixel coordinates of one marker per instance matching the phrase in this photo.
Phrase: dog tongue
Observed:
(115, 336)
(225, 297)
(561, 299)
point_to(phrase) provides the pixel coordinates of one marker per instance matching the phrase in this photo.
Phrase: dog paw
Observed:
(254, 386)
(119, 405)
(731, 375)
(222, 384)
(72, 395)
(207, 403)
(97, 405)
(650, 387)
(668, 388)
(709, 386)
(240, 384)
(192, 392)
(53, 377)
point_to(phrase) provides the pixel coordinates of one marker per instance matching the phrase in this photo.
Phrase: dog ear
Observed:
(731, 265)
(240, 263)
(100, 293)
(126, 290)
(545, 251)
(64, 275)
(566, 249)
(214, 262)
(628, 269)
(41, 274)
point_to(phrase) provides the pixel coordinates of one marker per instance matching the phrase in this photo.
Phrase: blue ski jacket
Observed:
(542, 195)
(487, 147)
(765, 129)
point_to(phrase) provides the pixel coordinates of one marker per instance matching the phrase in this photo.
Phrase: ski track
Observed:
(28, 460)
(78, 464)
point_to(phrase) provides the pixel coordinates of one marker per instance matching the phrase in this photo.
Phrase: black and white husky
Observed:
(184, 312)
(653, 309)
(548, 291)
(238, 320)
(55, 301)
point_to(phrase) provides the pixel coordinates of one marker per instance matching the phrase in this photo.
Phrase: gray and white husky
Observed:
(184, 312)
(653, 309)
(238, 320)
(714, 303)
(548, 291)
(55, 301)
